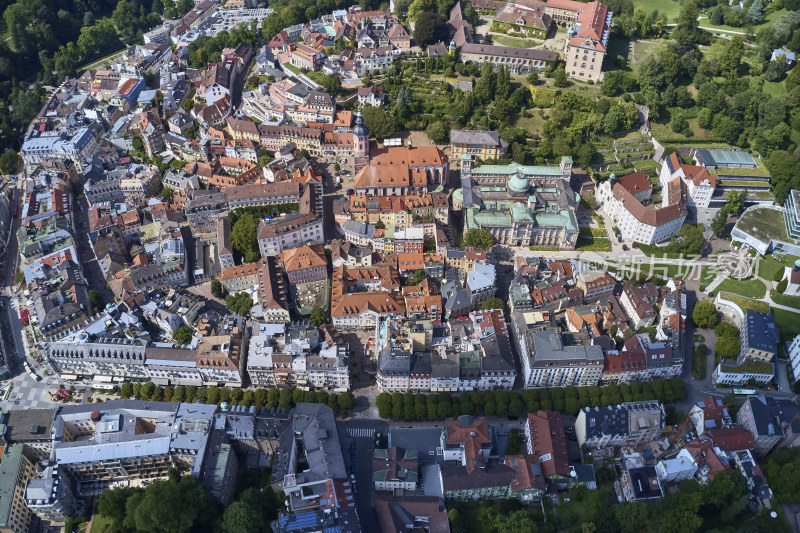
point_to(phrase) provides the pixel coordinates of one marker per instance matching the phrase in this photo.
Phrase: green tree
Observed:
(184, 6)
(126, 390)
(429, 29)
(239, 303)
(687, 31)
(438, 132)
(183, 335)
(705, 314)
(727, 347)
(176, 505)
(519, 521)
(416, 277)
(492, 303)
(112, 504)
(97, 300)
(379, 121)
(678, 122)
(346, 401)
(244, 237)
(418, 7)
(484, 88)
(8, 161)
(718, 223)
(242, 516)
(731, 56)
(166, 194)
(217, 290)
(560, 77)
(533, 77)
(318, 316)
(478, 238)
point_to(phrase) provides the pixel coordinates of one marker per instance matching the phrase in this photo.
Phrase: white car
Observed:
(344, 161)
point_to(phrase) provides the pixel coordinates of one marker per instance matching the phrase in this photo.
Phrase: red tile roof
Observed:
(548, 439)
(731, 439)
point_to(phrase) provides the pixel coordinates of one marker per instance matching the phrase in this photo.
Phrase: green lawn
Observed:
(100, 524)
(767, 20)
(590, 244)
(752, 288)
(707, 275)
(706, 22)
(788, 323)
(533, 123)
(670, 8)
(768, 266)
(642, 51)
(774, 88)
(782, 299)
(515, 42)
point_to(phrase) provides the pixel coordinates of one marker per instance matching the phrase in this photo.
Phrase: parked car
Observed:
(351, 192)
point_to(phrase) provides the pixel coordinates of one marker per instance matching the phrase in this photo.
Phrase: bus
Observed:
(744, 392)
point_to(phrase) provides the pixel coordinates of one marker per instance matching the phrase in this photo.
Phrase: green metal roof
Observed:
(9, 471)
(519, 213)
(516, 168)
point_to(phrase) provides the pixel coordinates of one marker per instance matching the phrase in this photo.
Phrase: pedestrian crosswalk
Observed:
(361, 432)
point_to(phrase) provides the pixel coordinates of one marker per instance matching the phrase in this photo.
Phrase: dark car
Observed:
(353, 457)
(353, 446)
(513, 418)
(353, 468)
(351, 192)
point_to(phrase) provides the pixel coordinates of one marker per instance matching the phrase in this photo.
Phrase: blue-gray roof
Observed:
(761, 331)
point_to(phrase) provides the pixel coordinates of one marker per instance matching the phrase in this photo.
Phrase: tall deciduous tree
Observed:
(429, 29)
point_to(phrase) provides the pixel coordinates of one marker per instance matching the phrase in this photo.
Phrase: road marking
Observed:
(361, 432)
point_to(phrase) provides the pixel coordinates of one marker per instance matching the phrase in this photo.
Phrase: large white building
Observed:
(547, 361)
(699, 183)
(637, 221)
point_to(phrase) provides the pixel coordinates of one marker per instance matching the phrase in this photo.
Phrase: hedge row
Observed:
(270, 398)
(418, 406)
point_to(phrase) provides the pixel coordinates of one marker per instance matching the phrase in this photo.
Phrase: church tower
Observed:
(360, 141)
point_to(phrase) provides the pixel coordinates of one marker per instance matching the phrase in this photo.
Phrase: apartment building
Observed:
(639, 303)
(552, 359)
(480, 144)
(16, 468)
(395, 468)
(595, 284)
(627, 424)
(772, 421)
(241, 278)
(759, 337)
(360, 296)
(220, 358)
(546, 439)
(289, 231)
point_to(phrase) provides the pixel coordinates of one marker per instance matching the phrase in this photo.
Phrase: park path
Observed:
(715, 283)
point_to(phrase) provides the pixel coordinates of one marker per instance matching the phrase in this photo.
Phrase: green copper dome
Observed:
(518, 183)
